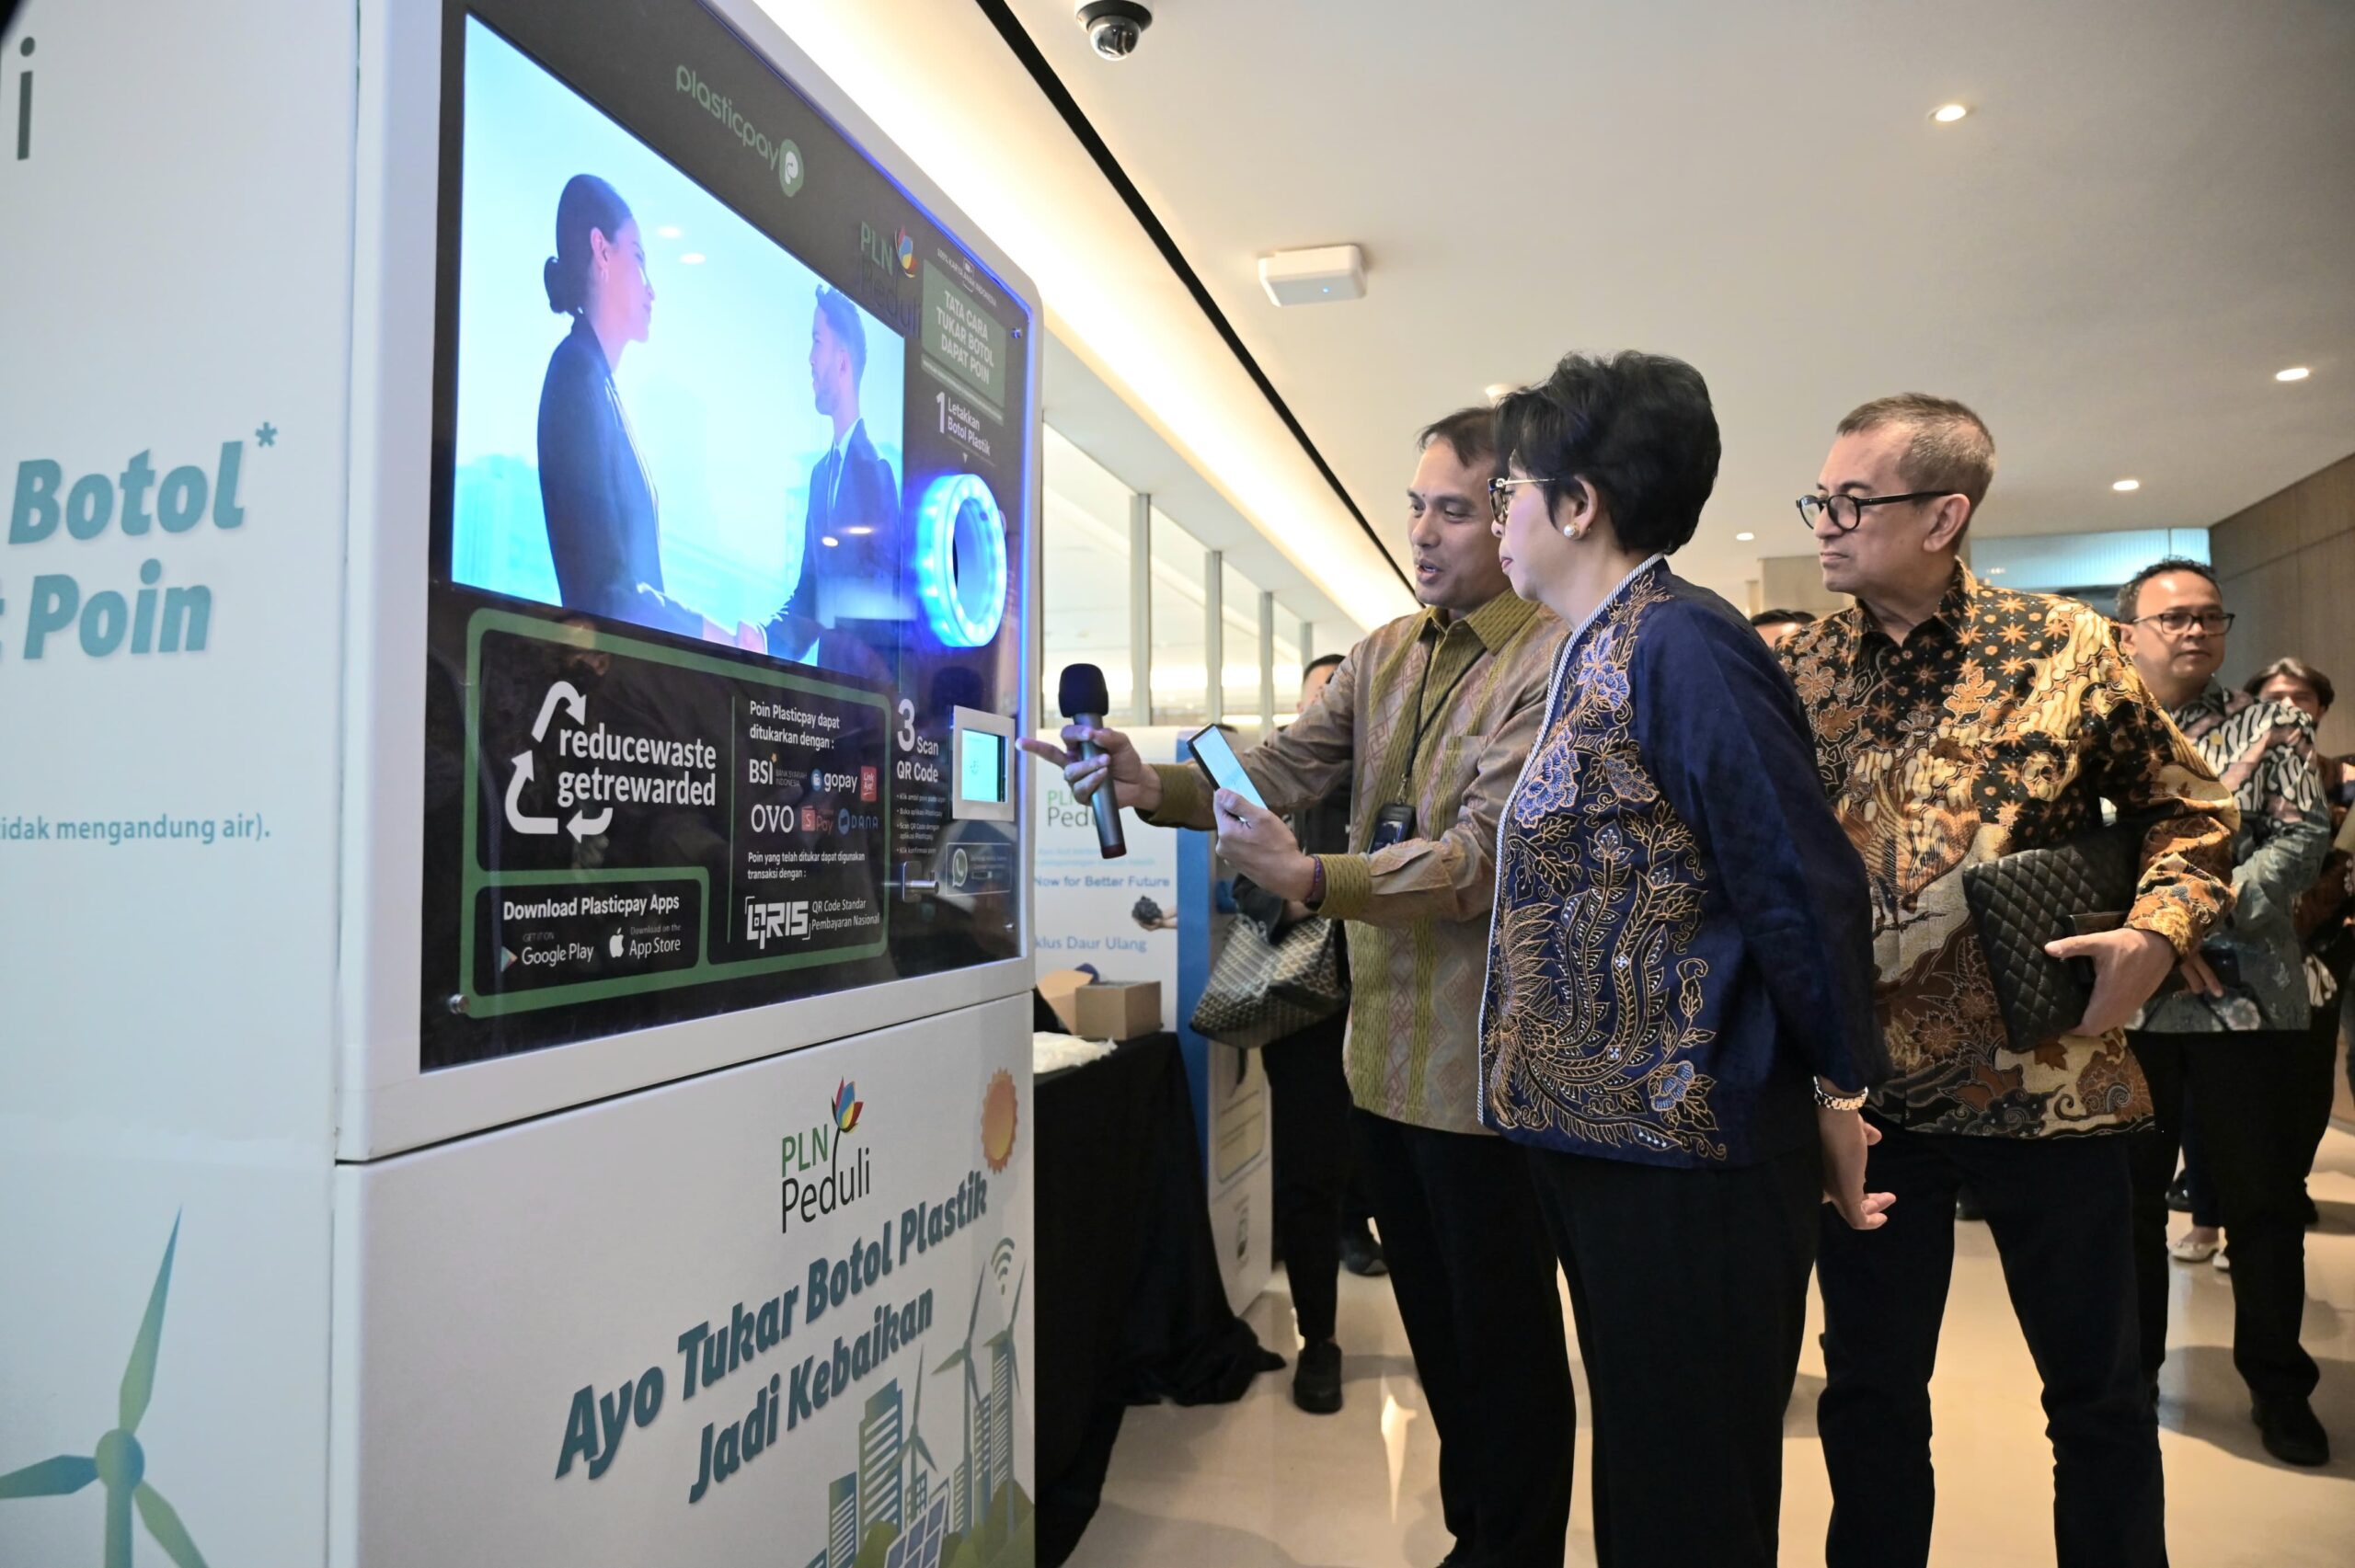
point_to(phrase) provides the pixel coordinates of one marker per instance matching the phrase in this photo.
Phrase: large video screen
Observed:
(731, 510)
(662, 414)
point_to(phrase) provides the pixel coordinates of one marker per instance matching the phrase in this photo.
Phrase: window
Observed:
(1084, 567)
(1239, 612)
(1288, 663)
(1180, 667)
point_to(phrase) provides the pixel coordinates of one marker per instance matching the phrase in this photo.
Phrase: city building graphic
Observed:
(878, 1461)
(900, 1508)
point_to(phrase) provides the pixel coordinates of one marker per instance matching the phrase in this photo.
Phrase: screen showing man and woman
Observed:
(662, 418)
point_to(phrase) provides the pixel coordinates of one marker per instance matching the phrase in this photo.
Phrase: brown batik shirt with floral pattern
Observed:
(2001, 723)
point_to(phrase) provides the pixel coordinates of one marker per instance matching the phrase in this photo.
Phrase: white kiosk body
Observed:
(517, 594)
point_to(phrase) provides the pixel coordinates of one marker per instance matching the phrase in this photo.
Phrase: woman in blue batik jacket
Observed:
(1678, 1024)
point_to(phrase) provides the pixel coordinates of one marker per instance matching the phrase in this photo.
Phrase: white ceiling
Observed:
(2151, 210)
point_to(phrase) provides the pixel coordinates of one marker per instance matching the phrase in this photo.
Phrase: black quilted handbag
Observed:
(2022, 900)
(1261, 991)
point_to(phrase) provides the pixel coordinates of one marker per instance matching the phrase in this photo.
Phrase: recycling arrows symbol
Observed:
(565, 695)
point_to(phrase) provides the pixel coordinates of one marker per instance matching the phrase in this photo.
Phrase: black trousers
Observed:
(1690, 1288)
(2254, 1119)
(2058, 1209)
(1309, 1094)
(1475, 1284)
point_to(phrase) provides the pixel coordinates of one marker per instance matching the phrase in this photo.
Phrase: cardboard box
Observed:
(1111, 1010)
(1062, 989)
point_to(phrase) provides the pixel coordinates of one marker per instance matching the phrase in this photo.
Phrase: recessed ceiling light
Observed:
(669, 231)
(2122, 486)
(1947, 113)
(2295, 373)
(1995, 571)
(1744, 538)
(691, 258)
(829, 541)
(1497, 390)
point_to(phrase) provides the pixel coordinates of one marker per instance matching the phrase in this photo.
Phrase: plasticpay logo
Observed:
(783, 155)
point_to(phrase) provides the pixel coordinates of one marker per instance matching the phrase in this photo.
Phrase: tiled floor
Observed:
(1259, 1484)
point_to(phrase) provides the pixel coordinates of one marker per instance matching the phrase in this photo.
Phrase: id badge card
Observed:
(1394, 824)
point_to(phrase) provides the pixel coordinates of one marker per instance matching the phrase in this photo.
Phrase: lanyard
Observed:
(1424, 721)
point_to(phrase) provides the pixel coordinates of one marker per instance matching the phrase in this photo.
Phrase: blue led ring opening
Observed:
(965, 607)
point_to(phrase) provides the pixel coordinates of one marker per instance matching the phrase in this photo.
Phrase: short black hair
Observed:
(1322, 661)
(1635, 428)
(1949, 450)
(2131, 593)
(1781, 617)
(1471, 434)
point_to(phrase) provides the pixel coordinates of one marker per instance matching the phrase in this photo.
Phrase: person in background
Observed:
(2328, 910)
(2236, 1040)
(1773, 625)
(1327, 831)
(1308, 1094)
(1428, 720)
(2325, 912)
(1678, 1025)
(1954, 724)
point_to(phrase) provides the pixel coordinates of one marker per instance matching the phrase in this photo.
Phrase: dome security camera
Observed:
(1115, 27)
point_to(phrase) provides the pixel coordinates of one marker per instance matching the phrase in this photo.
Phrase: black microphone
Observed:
(1084, 700)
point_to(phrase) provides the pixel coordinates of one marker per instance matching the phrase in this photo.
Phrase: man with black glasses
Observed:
(2235, 1040)
(1954, 724)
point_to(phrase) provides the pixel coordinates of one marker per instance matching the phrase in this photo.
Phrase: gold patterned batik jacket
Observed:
(2001, 723)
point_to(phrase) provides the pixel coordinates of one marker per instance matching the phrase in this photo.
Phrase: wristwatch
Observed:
(1830, 1101)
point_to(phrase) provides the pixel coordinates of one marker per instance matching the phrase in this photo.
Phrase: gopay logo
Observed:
(781, 155)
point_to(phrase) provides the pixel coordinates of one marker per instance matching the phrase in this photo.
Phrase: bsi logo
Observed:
(778, 922)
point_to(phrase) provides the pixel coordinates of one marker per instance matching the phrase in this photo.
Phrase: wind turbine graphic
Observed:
(120, 1463)
(1003, 1338)
(917, 1449)
(1001, 1343)
(963, 1355)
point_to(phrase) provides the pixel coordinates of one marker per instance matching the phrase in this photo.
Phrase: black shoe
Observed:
(2291, 1434)
(2178, 1196)
(1966, 1205)
(1317, 1381)
(1362, 1254)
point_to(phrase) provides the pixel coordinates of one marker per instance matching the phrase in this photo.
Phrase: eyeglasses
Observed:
(1500, 495)
(2175, 622)
(1847, 512)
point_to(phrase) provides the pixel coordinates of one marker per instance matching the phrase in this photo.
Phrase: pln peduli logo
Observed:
(119, 1464)
(816, 1180)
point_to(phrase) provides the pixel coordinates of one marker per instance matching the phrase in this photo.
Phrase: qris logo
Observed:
(764, 923)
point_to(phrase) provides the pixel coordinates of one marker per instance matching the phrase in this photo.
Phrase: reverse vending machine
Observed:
(514, 929)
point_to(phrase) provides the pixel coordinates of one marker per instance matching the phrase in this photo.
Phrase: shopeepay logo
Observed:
(818, 1178)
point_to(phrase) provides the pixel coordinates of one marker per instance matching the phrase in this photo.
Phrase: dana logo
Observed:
(767, 922)
(815, 1180)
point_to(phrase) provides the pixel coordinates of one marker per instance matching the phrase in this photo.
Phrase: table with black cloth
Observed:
(1131, 1306)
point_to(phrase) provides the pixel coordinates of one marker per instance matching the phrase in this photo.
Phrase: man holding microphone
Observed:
(1427, 722)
